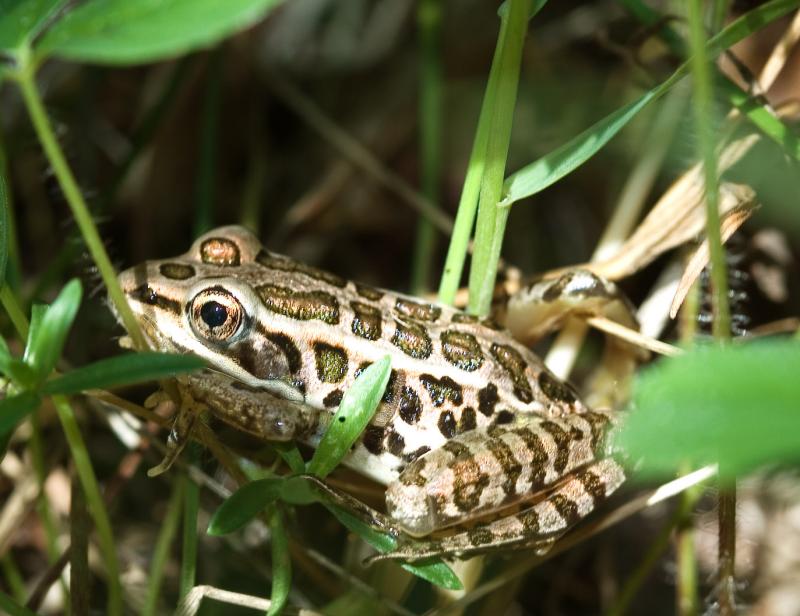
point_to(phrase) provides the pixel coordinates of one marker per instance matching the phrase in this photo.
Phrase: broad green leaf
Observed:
(299, 491)
(547, 170)
(49, 331)
(244, 504)
(281, 564)
(122, 370)
(133, 32)
(21, 20)
(14, 409)
(356, 409)
(435, 572)
(739, 405)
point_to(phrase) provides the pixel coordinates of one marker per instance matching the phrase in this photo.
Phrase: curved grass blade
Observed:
(281, 564)
(564, 160)
(356, 409)
(46, 341)
(125, 32)
(435, 572)
(244, 504)
(732, 404)
(122, 370)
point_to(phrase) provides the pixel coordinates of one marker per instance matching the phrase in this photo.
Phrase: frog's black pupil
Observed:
(214, 314)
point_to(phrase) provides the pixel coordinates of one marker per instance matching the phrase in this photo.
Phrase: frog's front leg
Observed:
(537, 526)
(182, 425)
(486, 470)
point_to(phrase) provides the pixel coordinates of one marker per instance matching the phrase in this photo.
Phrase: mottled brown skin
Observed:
(470, 423)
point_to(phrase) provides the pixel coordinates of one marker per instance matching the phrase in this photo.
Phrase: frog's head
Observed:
(205, 302)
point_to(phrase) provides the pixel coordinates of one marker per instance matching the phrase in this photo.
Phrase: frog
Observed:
(479, 445)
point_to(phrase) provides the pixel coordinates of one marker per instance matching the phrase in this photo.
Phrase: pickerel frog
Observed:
(479, 444)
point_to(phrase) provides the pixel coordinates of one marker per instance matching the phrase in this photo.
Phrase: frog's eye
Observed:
(216, 315)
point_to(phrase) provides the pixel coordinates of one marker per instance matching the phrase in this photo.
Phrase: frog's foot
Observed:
(182, 426)
(544, 305)
(536, 527)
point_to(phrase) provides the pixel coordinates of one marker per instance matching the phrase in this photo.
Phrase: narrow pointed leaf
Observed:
(737, 405)
(127, 32)
(564, 160)
(244, 504)
(47, 340)
(436, 572)
(356, 409)
(122, 370)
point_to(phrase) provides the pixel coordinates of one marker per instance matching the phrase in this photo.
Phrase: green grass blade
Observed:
(169, 527)
(243, 505)
(553, 166)
(125, 32)
(281, 564)
(21, 20)
(435, 572)
(735, 404)
(356, 409)
(122, 370)
(46, 341)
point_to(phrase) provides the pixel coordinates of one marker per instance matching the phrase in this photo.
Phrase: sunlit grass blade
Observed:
(125, 32)
(244, 504)
(436, 572)
(355, 410)
(281, 564)
(560, 162)
(122, 370)
(733, 404)
(46, 341)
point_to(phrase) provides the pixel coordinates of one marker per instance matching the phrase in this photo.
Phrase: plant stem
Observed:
(26, 79)
(491, 221)
(161, 552)
(429, 19)
(83, 466)
(704, 121)
(18, 320)
(191, 502)
(204, 186)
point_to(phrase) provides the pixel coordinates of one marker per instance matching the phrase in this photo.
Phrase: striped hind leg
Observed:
(537, 526)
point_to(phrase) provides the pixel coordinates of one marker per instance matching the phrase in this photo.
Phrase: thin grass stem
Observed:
(161, 553)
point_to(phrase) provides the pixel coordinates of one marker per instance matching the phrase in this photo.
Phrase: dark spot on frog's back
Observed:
(333, 399)
(487, 399)
(220, 251)
(417, 311)
(467, 421)
(412, 339)
(395, 443)
(447, 424)
(513, 363)
(367, 292)
(409, 408)
(300, 305)
(284, 264)
(441, 390)
(331, 362)
(366, 321)
(556, 389)
(176, 271)
(462, 350)
(373, 439)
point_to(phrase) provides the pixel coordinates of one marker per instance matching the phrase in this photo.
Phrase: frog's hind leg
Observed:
(485, 470)
(537, 526)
